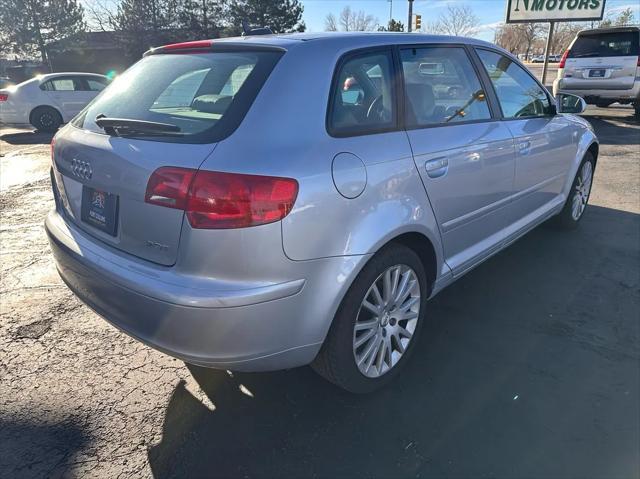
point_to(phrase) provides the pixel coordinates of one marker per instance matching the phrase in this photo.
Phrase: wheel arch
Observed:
(587, 143)
(424, 248)
(594, 149)
(45, 106)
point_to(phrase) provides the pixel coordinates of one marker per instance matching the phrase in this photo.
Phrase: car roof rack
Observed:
(248, 30)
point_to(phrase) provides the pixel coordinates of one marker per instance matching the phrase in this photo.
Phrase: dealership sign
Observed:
(554, 10)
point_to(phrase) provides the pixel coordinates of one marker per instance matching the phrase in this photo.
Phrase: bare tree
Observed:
(350, 21)
(507, 37)
(564, 33)
(330, 23)
(625, 17)
(521, 38)
(529, 32)
(457, 21)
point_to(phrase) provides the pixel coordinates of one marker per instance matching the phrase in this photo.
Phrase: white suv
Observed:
(602, 66)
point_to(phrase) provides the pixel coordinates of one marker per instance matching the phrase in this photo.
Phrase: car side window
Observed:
(520, 96)
(441, 86)
(96, 84)
(362, 100)
(62, 84)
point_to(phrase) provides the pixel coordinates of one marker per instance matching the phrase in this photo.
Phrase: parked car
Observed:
(48, 101)
(538, 59)
(603, 66)
(261, 203)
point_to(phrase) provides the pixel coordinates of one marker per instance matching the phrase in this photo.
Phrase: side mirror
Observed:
(567, 103)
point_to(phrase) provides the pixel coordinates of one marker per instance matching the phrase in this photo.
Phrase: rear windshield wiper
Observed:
(125, 126)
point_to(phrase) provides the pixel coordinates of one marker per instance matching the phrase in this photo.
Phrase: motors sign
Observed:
(519, 11)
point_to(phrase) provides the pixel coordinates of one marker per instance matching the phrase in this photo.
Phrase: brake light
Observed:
(563, 59)
(4, 96)
(169, 186)
(215, 200)
(53, 144)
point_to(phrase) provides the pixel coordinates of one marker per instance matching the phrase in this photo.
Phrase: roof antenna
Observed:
(247, 30)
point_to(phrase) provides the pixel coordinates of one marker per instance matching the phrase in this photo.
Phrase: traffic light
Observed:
(416, 23)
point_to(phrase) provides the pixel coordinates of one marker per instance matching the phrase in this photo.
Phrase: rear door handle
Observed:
(437, 167)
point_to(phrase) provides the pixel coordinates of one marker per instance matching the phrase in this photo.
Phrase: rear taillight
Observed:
(169, 186)
(563, 60)
(215, 200)
(53, 144)
(4, 96)
(638, 64)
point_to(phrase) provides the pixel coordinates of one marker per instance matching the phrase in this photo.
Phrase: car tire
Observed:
(578, 198)
(46, 118)
(337, 360)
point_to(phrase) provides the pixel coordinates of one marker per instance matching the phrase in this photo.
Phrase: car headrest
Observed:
(421, 101)
(212, 103)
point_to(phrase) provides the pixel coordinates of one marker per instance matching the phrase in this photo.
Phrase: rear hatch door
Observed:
(104, 181)
(102, 172)
(603, 61)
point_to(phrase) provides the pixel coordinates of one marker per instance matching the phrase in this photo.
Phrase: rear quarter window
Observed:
(205, 94)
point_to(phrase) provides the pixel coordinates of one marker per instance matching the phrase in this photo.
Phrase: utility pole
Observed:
(410, 15)
(546, 52)
(390, 10)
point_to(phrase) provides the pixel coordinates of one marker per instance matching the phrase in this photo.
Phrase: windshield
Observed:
(204, 95)
(613, 44)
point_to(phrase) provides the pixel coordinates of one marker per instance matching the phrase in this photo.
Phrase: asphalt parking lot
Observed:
(528, 367)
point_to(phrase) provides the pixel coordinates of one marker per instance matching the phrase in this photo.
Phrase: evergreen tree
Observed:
(200, 19)
(143, 24)
(393, 26)
(282, 16)
(28, 26)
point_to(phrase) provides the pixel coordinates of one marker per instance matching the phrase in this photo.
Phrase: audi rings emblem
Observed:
(81, 169)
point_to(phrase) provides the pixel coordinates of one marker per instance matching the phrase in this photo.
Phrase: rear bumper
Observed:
(247, 328)
(593, 95)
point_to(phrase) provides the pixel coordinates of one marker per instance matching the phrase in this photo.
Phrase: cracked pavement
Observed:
(528, 367)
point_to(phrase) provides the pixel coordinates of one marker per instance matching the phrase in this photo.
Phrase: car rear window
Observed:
(612, 44)
(205, 94)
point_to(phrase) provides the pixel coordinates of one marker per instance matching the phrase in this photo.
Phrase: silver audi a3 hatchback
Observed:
(267, 202)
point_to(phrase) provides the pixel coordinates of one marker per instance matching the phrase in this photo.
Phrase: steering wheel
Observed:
(376, 108)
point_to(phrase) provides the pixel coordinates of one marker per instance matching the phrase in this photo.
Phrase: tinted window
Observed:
(203, 94)
(362, 100)
(518, 93)
(614, 44)
(441, 86)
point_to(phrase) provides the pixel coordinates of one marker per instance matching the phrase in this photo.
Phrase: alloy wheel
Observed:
(582, 190)
(386, 321)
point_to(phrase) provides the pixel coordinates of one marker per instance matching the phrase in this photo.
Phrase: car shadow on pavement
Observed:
(34, 137)
(615, 130)
(524, 369)
(32, 447)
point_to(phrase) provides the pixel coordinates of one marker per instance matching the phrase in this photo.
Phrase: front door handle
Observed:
(524, 147)
(437, 167)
